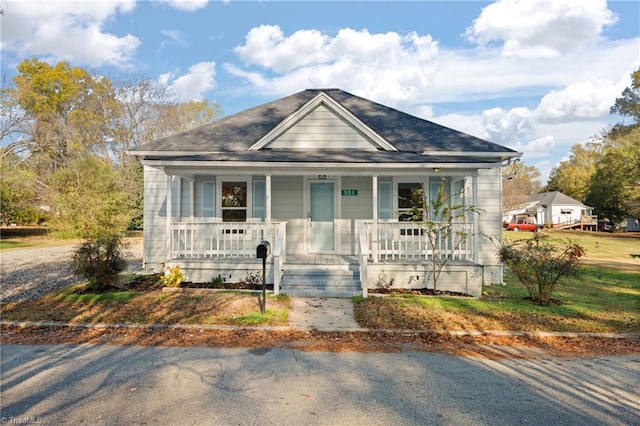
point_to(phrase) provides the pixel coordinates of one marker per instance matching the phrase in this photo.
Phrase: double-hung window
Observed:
(209, 198)
(234, 201)
(411, 201)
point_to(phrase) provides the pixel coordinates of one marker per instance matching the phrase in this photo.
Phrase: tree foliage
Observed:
(614, 189)
(516, 191)
(573, 176)
(88, 198)
(628, 105)
(59, 122)
(605, 174)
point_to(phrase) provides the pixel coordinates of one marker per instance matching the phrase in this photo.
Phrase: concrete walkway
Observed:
(323, 314)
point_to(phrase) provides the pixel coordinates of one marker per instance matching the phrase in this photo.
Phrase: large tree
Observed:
(49, 96)
(573, 176)
(614, 190)
(59, 116)
(628, 105)
(517, 190)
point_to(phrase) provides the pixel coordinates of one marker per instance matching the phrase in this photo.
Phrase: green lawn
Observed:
(597, 300)
(599, 245)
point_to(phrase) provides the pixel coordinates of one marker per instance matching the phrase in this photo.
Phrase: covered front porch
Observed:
(398, 251)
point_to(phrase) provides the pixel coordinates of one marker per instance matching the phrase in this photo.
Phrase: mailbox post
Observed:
(262, 252)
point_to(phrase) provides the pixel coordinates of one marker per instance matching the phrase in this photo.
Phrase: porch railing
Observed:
(413, 241)
(363, 256)
(194, 240)
(279, 255)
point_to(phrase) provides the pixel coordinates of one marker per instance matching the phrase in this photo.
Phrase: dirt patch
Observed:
(486, 346)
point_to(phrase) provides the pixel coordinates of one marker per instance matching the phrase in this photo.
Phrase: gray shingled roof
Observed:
(229, 138)
(555, 198)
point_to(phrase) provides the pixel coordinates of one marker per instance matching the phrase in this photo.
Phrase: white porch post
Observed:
(267, 199)
(169, 211)
(476, 221)
(374, 226)
(192, 207)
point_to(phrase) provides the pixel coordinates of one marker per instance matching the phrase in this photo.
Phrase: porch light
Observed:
(511, 169)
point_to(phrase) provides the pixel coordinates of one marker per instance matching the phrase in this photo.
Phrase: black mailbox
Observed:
(263, 250)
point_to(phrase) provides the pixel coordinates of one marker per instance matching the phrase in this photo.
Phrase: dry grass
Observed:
(149, 307)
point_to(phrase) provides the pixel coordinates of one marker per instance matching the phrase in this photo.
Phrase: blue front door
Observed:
(321, 217)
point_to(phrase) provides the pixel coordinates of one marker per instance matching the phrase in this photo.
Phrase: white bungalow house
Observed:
(556, 210)
(325, 176)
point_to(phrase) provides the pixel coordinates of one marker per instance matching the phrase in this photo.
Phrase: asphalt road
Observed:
(117, 385)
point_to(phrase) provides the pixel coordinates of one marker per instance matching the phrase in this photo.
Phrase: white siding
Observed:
(286, 206)
(322, 129)
(489, 223)
(353, 208)
(155, 219)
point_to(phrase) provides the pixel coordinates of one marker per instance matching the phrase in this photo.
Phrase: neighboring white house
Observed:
(325, 177)
(556, 210)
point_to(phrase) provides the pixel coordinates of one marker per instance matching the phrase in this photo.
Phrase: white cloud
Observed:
(578, 101)
(267, 47)
(70, 31)
(186, 5)
(389, 68)
(424, 111)
(583, 100)
(176, 36)
(541, 28)
(508, 127)
(536, 148)
(193, 85)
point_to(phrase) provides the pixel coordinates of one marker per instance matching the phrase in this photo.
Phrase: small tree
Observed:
(439, 219)
(100, 259)
(540, 262)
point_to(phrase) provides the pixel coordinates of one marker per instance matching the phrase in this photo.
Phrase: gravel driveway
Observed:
(27, 274)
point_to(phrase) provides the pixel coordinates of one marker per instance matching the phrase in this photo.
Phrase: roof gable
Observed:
(394, 136)
(346, 130)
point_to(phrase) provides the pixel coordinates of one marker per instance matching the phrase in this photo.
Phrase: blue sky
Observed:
(537, 76)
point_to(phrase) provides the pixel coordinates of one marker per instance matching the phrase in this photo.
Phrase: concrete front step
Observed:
(315, 292)
(338, 281)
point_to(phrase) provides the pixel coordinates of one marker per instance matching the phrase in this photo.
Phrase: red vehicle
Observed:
(523, 224)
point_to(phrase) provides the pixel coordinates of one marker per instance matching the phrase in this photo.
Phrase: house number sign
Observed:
(349, 192)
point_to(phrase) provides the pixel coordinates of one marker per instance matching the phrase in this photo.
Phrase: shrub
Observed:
(173, 276)
(217, 282)
(251, 281)
(383, 282)
(540, 262)
(100, 259)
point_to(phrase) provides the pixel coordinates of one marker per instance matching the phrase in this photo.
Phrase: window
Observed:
(410, 201)
(385, 200)
(439, 186)
(410, 206)
(234, 201)
(208, 198)
(259, 199)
